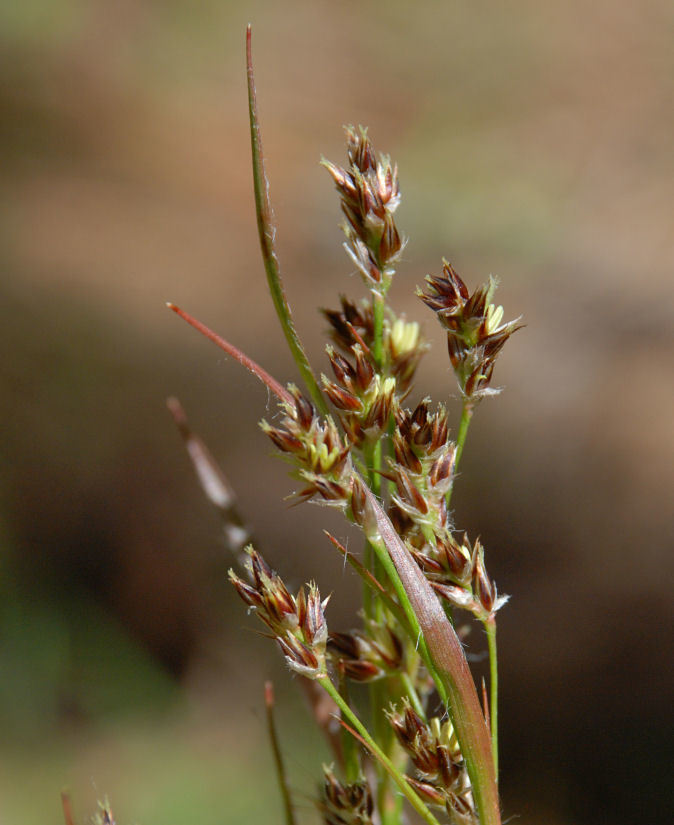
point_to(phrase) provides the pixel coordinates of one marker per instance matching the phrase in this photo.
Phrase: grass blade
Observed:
(450, 663)
(267, 233)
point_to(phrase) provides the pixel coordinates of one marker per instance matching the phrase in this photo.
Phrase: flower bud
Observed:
(346, 804)
(361, 510)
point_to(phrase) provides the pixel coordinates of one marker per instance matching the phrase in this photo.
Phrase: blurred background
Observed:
(534, 141)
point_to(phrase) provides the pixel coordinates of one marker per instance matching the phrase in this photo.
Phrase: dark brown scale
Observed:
(364, 372)
(304, 412)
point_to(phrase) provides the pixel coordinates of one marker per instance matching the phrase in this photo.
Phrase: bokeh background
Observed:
(534, 141)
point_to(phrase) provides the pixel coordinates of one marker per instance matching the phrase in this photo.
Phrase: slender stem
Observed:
(412, 694)
(372, 454)
(267, 233)
(466, 415)
(379, 690)
(416, 636)
(67, 805)
(375, 468)
(278, 758)
(378, 332)
(490, 627)
(391, 769)
(280, 392)
(349, 746)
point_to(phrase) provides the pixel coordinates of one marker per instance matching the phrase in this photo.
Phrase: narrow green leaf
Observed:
(267, 233)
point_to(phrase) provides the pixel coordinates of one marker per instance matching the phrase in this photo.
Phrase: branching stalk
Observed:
(378, 316)
(377, 752)
(466, 416)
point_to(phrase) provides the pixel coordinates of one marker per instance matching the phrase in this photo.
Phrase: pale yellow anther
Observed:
(389, 386)
(404, 336)
(494, 318)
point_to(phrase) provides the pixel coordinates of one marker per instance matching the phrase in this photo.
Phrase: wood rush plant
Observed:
(428, 738)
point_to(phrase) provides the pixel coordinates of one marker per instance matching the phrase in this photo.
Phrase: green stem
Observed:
(267, 233)
(417, 636)
(490, 627)
(383, 759)
(466, 415)
(349, 746)
(412, 694)
(379, 690)
(373, 459)
(378, 332)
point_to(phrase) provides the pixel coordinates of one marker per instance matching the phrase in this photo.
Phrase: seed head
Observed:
(423, 467)
(368, 654)
(361, 509)
(425, 433)
(475, 335)
(402, 342)
(483, 587)
(364, 398)
(315, 446)
(370, 194)
(266, 594)
(346, 804)
(446, 561)
(435, 753)
(296, 622)
(457, 573)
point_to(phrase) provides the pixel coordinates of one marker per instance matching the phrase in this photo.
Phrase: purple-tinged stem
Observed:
(67, 805)
(278, 758)
(252, 366)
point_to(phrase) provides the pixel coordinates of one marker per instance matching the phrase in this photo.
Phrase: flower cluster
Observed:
(370, 194)
(458, 574)
(368, 654)
(475, 335)
(315, 446)
(433, 748)
(346, 803)
(422, 469)
(363, 397)
(402, 342)
(296, 622)
(391, 470)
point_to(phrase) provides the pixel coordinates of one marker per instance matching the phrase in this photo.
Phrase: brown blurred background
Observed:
(534, 141)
